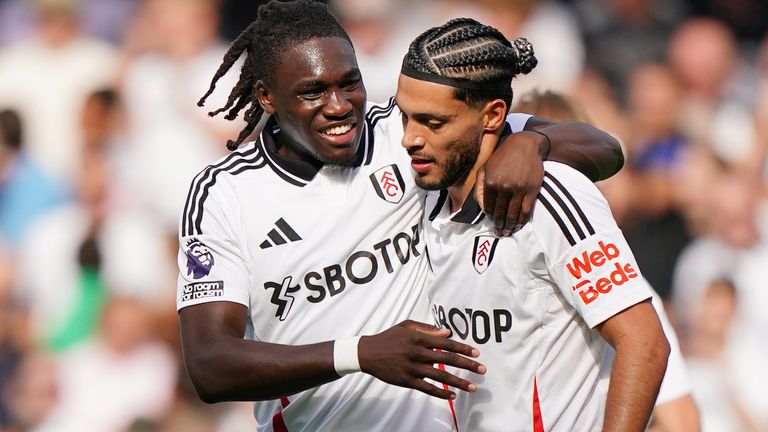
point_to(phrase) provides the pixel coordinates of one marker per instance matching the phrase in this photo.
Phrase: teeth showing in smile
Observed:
(338, 130)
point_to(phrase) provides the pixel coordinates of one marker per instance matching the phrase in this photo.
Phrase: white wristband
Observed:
(345, 359)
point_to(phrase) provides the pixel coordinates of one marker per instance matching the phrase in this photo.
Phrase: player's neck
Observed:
(292, 150)
(461, 190)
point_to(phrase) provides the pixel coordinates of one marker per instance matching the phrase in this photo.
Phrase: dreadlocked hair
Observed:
(278, 25)
(464, 48)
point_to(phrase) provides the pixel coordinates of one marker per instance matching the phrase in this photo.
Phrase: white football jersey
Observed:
(530, 303)
(317, 253)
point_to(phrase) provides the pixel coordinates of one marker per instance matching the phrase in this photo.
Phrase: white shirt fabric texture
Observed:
(317, 254)
(530, 304)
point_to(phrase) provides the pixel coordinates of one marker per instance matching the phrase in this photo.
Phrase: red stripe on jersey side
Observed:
(450, 402)
(278, 424)
(538, 424)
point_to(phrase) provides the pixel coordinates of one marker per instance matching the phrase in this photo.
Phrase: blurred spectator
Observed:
(654, 225)
(32, 395)
(46, 79)
(90, 243)
(381, 31)
(121, 375)
(654, 97)
(107, 19)
(718, 88)
(731, 233)
(25, 191)
(12, 335)
(16, 17)
(551, 105)
(624, 34)
(169, 138)
(547, 24)
(708, 361)
(757, 162)
(734, 247)
(65, 240)
(100, 121)
(187, 412)
(102, 19)
(748, 18)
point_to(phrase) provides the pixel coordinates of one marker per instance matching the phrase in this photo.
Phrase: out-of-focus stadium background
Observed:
(100, 135)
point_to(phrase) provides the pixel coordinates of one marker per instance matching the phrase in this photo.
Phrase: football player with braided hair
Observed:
(560, 313)
(302, 266)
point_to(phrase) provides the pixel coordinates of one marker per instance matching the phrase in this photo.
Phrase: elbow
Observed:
(620, 151)
(209, 396)
(660, 350)
(203, 375)
(618, 157)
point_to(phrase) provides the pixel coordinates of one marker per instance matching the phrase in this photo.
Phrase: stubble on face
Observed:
(457, 165)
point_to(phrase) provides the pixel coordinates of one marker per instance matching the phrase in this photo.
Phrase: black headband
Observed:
(462, 83)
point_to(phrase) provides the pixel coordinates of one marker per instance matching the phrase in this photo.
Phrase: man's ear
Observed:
(264, 97)
(495, 115)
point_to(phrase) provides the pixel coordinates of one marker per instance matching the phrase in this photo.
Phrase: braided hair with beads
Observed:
(466, 51)
(279, 25)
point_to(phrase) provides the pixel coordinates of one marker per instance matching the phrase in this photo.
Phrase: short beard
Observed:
(341, 163)
(307, 150)
(457, 167)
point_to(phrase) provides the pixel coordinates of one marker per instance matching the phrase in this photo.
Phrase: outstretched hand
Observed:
(508, 184)
(406, 354)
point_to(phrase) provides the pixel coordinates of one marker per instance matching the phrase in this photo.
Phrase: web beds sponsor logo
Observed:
(599, 271)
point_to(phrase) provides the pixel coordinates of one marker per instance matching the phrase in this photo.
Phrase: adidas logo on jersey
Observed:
(388, 184)
(281, 234)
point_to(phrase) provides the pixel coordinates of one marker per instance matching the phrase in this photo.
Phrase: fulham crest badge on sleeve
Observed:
(388, 184)
(482, 255)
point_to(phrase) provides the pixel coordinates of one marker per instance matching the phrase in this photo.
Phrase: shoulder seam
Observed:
(233, 164)
(564, 209)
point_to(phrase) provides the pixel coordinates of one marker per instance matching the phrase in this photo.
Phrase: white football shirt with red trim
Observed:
(530, 303)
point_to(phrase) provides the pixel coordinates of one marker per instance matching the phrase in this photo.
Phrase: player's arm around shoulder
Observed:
(594, 152)
(509, 181)
(597, 273)
(213, 300)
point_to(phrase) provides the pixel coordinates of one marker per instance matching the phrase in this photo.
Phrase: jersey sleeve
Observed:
(586, 253)
(517, 121)
(677, 381)
(211, 263)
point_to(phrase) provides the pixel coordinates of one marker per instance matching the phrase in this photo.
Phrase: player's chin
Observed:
(427, 182)
(339, 156)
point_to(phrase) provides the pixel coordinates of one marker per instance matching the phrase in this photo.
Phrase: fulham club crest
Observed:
(482, 255)
(388, 184)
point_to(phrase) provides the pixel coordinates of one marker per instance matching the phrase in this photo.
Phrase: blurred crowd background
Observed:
(100, 135)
